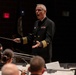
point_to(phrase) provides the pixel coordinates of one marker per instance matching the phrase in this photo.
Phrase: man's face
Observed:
(40, 12)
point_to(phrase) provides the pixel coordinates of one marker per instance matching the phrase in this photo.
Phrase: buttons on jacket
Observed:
(36, 36)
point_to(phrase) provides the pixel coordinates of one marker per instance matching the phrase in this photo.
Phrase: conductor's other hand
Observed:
(17, 40)
(38, 44)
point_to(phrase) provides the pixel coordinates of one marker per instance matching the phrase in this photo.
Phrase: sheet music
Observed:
(53, 65)
(0, 73)
(64, 73)
(20, 67)
(60, 73)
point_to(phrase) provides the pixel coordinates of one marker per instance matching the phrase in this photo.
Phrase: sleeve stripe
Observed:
(24, 40)
(44, 43)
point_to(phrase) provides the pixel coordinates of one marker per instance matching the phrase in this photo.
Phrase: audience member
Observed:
(7, 56)
(10, 69)
(37, 65)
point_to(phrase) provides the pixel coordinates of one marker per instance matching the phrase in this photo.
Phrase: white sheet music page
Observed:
(53, 65)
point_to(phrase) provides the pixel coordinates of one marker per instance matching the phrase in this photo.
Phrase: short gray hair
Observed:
(42, 6)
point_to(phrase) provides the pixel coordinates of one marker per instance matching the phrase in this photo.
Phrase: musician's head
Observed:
(37, 65)
(9, 69)
(7, 56)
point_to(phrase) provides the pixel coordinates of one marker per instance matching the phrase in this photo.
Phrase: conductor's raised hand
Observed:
(17, 40)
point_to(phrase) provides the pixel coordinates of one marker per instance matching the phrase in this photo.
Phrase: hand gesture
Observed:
(37, 45)
(17, 40)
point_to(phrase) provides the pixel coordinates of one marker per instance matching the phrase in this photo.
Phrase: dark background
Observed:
(64, 44)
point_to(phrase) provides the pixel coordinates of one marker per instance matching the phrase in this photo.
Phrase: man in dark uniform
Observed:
(42, 35)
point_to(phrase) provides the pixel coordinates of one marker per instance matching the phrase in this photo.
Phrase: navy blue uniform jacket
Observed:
(43, 32)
